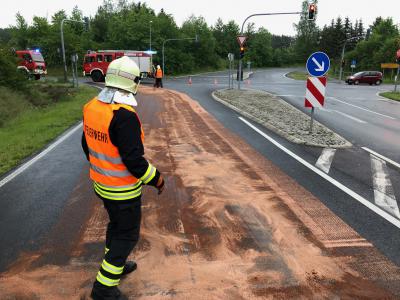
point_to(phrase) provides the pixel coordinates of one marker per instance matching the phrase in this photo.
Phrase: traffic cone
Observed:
(190, 80)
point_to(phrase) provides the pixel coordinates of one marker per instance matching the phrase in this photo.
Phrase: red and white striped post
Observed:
(315, 95)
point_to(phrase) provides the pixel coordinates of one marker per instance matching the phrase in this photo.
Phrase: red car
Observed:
(32, 63)
(370, 77)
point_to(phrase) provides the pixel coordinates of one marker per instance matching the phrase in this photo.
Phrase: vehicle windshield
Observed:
(37, 56)
(358, 74)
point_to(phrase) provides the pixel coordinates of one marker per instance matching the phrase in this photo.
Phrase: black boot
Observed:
(102, 292)
(130, 266)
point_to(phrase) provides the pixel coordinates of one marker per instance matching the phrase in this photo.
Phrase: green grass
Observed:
(298, 75)
(36, 126)
(391, 95)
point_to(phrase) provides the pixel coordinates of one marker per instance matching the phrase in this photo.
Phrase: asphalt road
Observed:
(27, 216)
(356, 113)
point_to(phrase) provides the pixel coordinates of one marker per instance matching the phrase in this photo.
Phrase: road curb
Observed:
(277, 130)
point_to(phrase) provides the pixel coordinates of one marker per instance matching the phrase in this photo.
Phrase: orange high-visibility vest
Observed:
(106, 166)
(159, 73)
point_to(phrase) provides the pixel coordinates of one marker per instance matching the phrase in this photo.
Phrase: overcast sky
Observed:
(211, 10)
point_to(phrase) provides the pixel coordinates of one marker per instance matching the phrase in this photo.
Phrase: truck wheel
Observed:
(97, 76)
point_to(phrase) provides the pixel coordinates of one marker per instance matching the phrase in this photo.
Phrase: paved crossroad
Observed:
(360, 184)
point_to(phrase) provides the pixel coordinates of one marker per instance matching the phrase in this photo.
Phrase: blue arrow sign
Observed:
(318, 64)
(353, 62)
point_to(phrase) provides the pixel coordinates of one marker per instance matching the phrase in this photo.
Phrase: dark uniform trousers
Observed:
(122, 232)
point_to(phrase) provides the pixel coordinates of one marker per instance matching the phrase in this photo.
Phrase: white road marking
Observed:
(285, 76)
(325, 159)
(34, 159)
(388, 217)
(350, 117)
(383, 190)
(373, 112)
(382, 157)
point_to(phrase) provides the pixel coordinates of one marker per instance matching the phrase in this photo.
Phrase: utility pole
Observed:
(341, 61)
(163, 48)
(150, 37)
(241, 33)
(62, 44)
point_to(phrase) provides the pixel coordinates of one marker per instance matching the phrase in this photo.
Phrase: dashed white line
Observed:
(392, 162)
(388, 217)
(348, 116)
(325, 159)
(29, 163)
(383, 190)
(362, 108)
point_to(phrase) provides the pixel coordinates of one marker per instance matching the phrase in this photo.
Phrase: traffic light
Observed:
(312, 8)
(241, 52)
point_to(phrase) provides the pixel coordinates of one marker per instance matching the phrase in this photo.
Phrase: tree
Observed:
(260, 49)
(307, 35)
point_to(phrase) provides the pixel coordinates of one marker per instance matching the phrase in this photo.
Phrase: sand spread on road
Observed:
(229, 225)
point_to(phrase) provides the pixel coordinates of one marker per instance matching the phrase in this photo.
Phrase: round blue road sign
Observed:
(318, 64)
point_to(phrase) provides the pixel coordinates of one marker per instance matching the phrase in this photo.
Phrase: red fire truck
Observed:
(31, 62)
(96, 63)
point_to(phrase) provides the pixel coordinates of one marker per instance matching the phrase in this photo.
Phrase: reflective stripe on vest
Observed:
(113, 179)
(113, 160)
(118, 195)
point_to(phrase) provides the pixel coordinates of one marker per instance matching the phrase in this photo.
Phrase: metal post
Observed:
(312, 119)
(73, 71)
(163, 57)
(341, 63)
(241, 33)
(63, 50)
(239, 77)
(62, 44)
(229, 78)
(76, 70)
(397, 78)
(150, 37)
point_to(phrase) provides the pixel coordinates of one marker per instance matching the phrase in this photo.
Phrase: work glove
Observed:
(160, 184)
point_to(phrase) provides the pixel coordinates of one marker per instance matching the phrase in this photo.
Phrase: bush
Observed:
(9, 75)
(11, 104)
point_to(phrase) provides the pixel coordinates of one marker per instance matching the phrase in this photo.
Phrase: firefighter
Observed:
(112, 140)
(159, 76)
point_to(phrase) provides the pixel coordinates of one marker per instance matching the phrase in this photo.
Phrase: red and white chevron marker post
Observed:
(315, 94)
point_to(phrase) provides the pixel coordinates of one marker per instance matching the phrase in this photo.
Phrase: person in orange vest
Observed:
(112, 140)
(159, 76)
